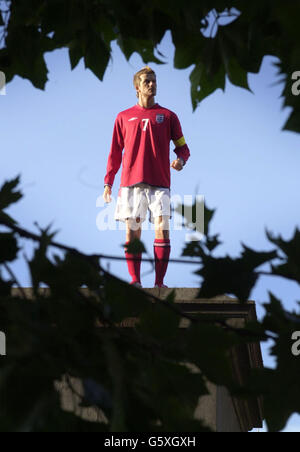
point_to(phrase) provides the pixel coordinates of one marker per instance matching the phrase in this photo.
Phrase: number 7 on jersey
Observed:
(146, 123)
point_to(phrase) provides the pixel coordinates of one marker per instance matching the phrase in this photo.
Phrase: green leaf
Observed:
(194, 249)
(203, 85)
(5, 287)
(236, 74)
(256, 258)
(233, 278)
(293, 122)
(8, 248)
(190, 215)
(279, 386)
(26, 46)
(136, 246)
(143, 47)
(76, 52)
(186, 50)
(74, 272)
(8, 195)
(97, 55)
(41, 268)
(160, 322)
(88, 28)
(123, 300)
(291, 248)
(212, 242)
(5, 64)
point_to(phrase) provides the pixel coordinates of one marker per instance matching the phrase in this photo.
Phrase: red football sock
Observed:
(134, 266)
(162, 251)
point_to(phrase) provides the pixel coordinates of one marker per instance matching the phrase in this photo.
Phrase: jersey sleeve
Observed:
(115, 155)
(181, 148)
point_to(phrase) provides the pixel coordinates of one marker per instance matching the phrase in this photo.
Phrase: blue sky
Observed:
(241, 161)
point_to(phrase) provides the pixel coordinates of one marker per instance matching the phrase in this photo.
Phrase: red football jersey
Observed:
(145, 135)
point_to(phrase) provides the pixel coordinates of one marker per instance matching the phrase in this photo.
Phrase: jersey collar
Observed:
(144, 108)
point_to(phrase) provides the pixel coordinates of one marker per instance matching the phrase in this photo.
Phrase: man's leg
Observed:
(162, 248)
(133, 231)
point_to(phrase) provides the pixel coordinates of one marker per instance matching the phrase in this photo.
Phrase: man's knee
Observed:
(162, 227)
(162, 223)
(133, 224)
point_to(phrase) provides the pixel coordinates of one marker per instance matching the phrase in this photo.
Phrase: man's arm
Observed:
(115, 155)
(182, 151)
(114, 160)
(181, 148)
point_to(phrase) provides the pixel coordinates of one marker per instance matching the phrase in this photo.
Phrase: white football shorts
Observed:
(135, 201)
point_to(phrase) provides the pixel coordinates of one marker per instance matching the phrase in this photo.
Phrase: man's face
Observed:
(147, 85)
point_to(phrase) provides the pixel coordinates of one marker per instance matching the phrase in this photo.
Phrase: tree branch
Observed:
(91, 259)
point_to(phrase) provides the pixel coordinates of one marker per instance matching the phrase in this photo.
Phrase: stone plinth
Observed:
(218, 410)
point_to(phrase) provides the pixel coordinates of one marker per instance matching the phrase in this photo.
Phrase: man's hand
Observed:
(176, 164)
(107, 194)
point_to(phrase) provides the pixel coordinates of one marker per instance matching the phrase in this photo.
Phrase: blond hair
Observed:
(137, 76)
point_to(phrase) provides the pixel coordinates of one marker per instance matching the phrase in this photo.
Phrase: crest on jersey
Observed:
(160, 118)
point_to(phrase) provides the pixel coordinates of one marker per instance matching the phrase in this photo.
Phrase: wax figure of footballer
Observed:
(144, 132)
